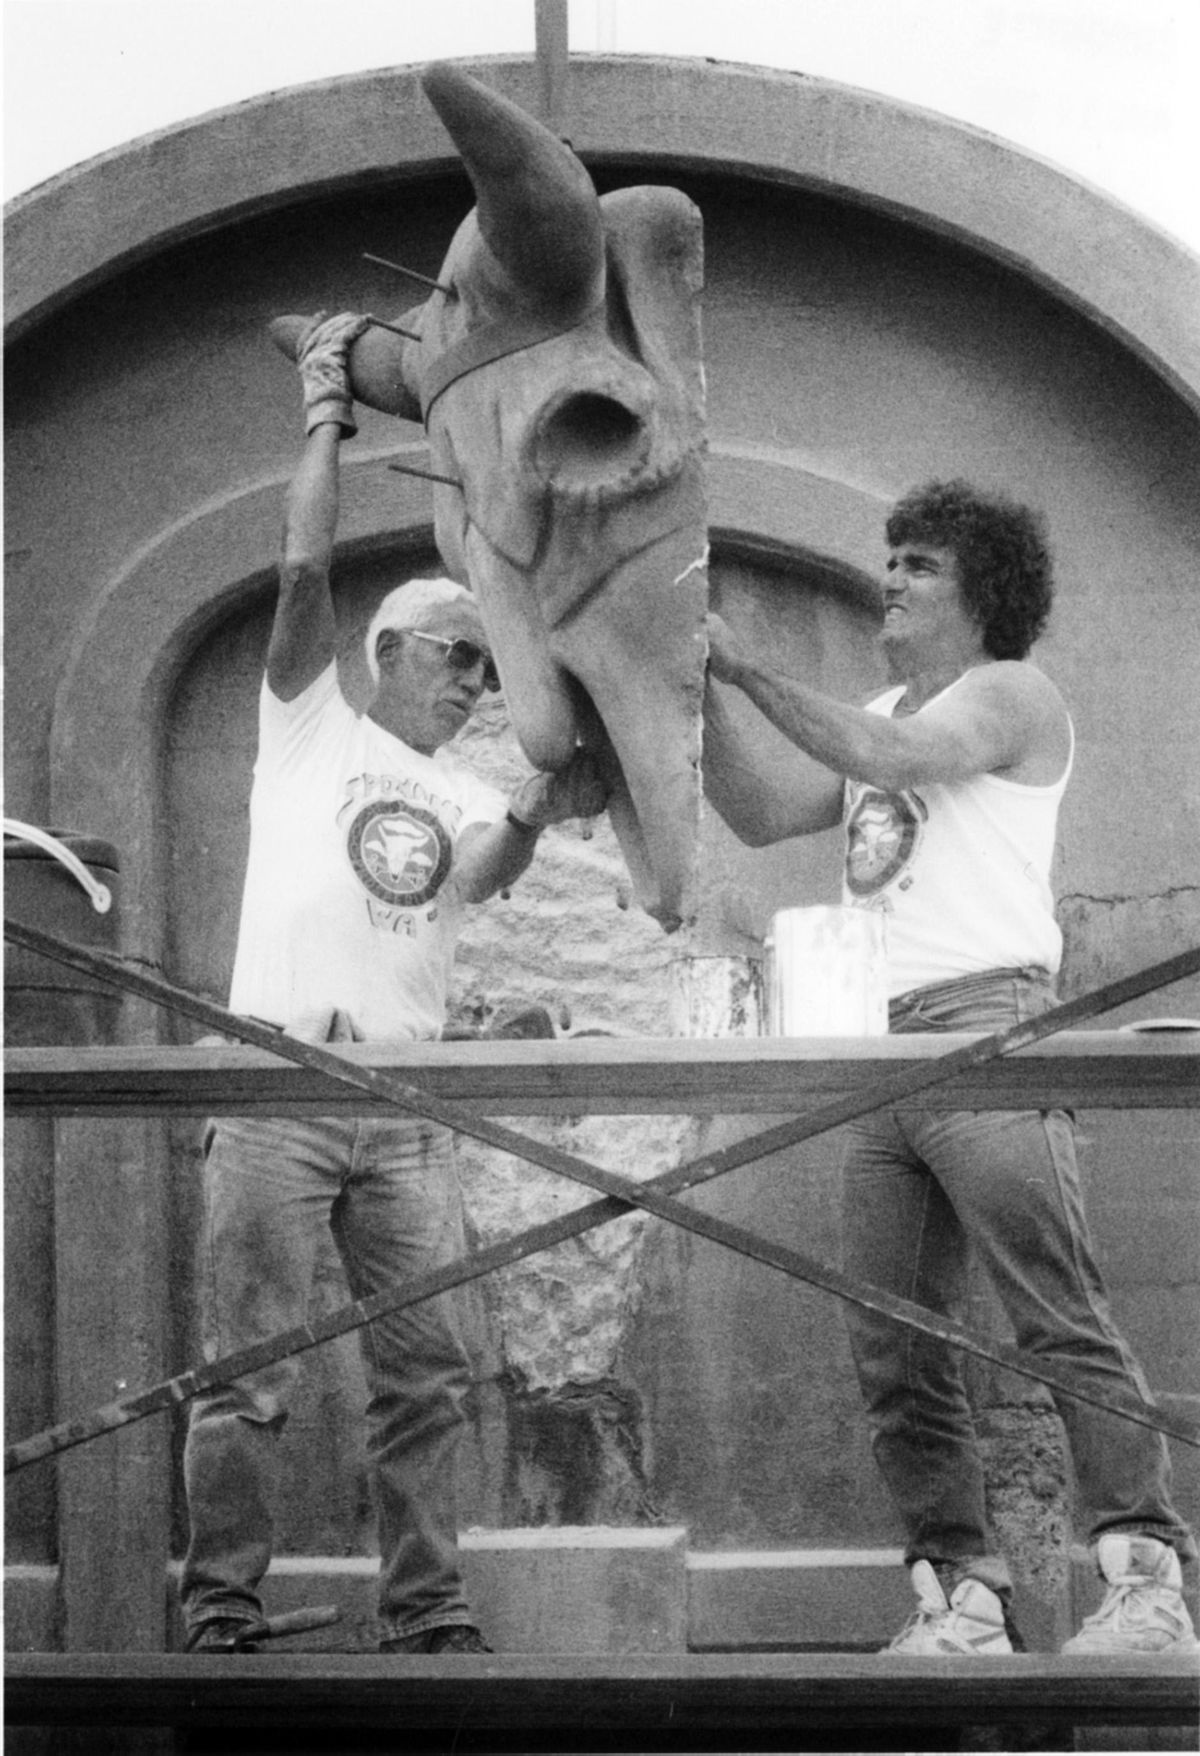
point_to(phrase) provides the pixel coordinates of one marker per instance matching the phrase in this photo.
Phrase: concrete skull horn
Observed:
(561, 384)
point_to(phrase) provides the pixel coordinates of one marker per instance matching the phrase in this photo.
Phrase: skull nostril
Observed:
(590, 439)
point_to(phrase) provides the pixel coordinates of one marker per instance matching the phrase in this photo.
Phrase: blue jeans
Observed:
(920, 1188)
(389, 1192)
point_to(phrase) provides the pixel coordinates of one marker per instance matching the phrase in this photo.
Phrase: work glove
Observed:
(578, 790)
(323, 360)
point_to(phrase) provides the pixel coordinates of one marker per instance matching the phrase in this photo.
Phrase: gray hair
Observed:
(406, 606)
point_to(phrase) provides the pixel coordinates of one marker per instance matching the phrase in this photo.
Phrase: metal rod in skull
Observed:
(559, 377)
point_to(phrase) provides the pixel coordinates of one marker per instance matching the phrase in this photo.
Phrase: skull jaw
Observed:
(620, 672)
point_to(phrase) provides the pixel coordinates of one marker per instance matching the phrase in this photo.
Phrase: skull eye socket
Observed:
(590, 439)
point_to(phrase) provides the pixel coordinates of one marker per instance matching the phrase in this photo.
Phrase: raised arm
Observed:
(303, 634)
(763, 801)
(1003, 717)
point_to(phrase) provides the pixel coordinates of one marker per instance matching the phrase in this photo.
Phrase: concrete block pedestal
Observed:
(579, 1588)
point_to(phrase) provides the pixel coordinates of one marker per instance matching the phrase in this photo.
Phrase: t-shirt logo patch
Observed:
(882, 833)
(400, 852)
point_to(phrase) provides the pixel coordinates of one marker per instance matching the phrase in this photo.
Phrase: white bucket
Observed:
(825, 973)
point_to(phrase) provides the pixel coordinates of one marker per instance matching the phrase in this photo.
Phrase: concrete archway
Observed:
(644, 112)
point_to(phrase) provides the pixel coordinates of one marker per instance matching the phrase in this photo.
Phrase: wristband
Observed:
(519, 823)
(333, 410)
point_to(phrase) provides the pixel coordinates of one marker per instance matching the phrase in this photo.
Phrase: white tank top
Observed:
(961, 872)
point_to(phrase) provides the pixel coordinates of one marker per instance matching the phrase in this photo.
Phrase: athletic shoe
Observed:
(1143, 1610)
(970, 1622)
(450, 1637)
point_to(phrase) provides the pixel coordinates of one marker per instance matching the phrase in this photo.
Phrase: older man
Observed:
(366, 844)
(948, 787)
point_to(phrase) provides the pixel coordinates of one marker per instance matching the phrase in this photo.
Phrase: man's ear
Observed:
(387, 641)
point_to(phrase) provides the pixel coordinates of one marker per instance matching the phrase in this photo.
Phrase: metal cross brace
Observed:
(659, 1196)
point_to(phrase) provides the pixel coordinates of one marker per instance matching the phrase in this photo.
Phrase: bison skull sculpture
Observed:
(558, 374)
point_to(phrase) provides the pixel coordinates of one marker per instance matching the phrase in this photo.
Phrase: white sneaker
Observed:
(970, 1621)
(1143, 1610)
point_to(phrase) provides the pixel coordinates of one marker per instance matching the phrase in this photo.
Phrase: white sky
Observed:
(1105, 88)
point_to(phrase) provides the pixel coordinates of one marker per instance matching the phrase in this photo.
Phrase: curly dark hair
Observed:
(1004, 565)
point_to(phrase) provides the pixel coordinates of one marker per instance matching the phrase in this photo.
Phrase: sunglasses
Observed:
(463, 655)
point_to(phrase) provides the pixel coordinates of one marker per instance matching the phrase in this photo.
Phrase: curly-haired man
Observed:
(948, 786)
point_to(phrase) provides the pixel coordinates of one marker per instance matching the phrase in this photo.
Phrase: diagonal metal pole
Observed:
(173, 1392)
(656, 1197)
(907, 1082)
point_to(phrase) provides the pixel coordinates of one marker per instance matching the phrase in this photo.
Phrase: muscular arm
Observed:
(763, 802)
(1002, 718)
(303, 634)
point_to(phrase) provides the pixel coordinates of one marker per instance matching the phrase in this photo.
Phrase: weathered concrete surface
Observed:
(84, 1235)
(569, 1588)
(579, 1588)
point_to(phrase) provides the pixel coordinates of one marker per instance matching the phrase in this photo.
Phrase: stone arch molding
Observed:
(654, 114)
(111, 707)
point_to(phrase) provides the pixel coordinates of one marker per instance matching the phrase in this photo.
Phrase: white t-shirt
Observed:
(350, 898)
(961, 872)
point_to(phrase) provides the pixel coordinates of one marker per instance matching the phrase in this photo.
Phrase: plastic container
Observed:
(825, 974)
(46, 1003)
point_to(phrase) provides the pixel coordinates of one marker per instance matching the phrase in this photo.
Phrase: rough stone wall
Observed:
(560, 1437)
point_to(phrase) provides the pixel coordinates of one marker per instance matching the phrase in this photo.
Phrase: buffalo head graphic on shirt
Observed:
(399, 851)
(883, 832)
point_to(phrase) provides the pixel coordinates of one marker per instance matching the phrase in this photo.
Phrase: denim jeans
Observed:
(389, 1192)
(922, 1187)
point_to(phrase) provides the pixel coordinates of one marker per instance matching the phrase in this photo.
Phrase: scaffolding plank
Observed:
(745, 1695)
(602, 1075)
